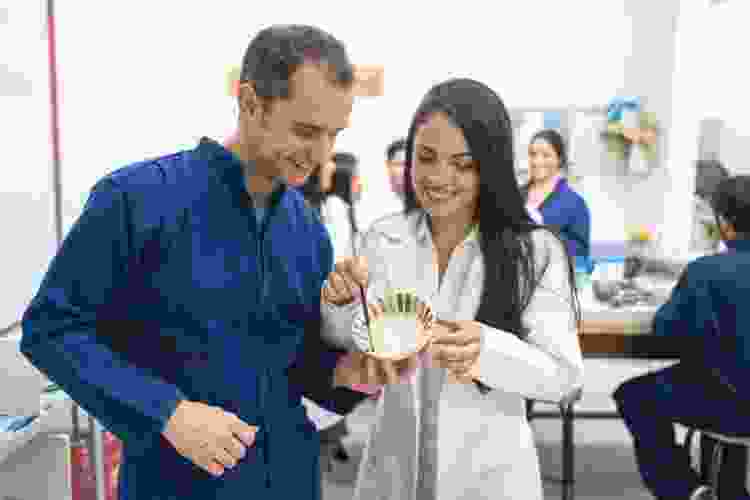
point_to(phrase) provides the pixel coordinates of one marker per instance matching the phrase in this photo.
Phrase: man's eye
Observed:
(306, 133)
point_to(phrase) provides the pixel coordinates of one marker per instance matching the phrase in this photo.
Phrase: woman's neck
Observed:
(545, 185)
(449, 232)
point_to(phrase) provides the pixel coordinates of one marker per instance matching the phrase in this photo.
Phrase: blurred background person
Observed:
(395, 162)
(551, 199)
(708, 175)
(333, 191)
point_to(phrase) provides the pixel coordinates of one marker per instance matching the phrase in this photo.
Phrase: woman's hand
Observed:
(343, 284)
(456, 346)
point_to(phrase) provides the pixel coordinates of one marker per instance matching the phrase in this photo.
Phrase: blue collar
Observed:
(738, 245)
(231, 170)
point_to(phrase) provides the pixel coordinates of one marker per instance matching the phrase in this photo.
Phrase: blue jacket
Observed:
(166, 289)
(708, 314)
(566, 211)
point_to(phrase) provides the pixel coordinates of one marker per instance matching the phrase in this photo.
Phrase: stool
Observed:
(567, 415)
(714, 468)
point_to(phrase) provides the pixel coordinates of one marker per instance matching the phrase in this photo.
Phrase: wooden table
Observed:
(617, 338)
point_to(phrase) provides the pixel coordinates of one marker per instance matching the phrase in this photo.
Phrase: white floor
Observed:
(605, 466)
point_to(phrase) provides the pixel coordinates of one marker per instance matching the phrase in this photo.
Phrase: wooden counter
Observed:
(620, 337)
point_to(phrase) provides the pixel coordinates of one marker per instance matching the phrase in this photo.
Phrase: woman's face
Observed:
(446, 177)
(544, 163)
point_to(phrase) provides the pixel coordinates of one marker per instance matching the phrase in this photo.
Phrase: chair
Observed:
(721, 440)
(567, 415)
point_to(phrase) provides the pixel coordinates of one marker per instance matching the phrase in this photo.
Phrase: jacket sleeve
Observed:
(60, 333)
(314, 368)
(548, 364)
(688, 313)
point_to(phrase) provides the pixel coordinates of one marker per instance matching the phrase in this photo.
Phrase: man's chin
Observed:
(297, 180)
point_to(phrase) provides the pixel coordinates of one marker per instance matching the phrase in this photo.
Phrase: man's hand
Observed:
(208, 436)
(343, 284)
(456, 346)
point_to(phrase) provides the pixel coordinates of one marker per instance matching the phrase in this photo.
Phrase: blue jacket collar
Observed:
(738, 245)
(231, 170)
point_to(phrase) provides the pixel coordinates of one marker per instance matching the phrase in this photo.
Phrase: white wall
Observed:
(709, 82)
(27, 231)
(146, 78)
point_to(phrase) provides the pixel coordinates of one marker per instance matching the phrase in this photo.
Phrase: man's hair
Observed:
(731, 201)
(277, 51)
(394, 147)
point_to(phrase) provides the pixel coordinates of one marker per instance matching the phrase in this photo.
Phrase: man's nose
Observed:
(320, 150)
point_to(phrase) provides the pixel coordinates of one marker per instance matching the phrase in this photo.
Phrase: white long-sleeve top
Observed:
(485, 447)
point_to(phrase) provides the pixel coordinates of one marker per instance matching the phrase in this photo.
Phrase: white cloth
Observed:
(485, 445)
(335, 216)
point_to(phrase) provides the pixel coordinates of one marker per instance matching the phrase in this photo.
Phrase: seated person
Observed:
(709, 388)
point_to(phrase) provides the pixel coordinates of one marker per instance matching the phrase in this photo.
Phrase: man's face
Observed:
(292, 137)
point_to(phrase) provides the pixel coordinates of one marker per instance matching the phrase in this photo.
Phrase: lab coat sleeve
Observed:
(60, 325)
(344, 326)
(548, 364)
(314, 368)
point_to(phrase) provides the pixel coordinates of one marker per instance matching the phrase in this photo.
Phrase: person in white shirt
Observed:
(503, 292)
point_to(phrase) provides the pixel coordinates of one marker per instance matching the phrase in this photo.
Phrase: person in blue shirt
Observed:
(549, 194)
(183, 309)
(710, 387)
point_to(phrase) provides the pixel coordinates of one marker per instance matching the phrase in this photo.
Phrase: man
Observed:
(710, 387)
(176, 309)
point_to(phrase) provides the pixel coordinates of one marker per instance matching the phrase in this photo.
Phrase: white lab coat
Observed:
(485, 445)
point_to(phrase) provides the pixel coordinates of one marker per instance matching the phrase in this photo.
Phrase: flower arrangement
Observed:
(629, 125)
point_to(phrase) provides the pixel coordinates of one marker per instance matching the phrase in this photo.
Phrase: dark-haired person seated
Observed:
(710, 387)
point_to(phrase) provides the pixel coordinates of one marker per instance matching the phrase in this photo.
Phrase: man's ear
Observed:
(249, 102)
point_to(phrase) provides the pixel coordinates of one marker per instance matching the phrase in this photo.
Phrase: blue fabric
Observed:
(708, 311)
(167, 289)
(650, 406)
(567, 212)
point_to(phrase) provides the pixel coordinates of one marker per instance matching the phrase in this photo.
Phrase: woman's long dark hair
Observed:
(505, 225)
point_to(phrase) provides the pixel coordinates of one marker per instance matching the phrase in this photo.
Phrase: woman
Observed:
(333, 191)
(549, 194)
(503, 291)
